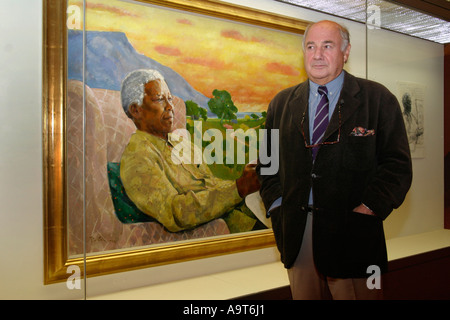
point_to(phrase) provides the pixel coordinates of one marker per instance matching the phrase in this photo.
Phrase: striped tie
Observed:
(320, 120)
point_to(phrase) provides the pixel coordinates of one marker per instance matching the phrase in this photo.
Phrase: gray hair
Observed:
(345, 34)
(132, 90)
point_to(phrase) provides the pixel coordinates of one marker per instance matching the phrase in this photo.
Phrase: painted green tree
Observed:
(222, 105)
(195, 111)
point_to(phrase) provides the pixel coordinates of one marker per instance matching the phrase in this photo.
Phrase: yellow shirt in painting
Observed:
(179, 196)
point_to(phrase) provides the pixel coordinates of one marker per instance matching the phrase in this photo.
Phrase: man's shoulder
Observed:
(140, 145)
(364, 83)
(369, 90)
(291, 91)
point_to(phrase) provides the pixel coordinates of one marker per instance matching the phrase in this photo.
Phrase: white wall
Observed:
(392, 58)
(21, 245)
(21, 227)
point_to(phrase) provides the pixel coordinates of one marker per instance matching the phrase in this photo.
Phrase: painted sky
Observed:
(251, 62)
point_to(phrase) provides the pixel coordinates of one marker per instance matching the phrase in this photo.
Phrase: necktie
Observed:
(320, 119)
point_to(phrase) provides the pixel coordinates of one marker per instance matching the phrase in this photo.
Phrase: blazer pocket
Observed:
(364, 237)
(359, 152)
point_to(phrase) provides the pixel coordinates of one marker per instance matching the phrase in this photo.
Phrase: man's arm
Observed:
(270, 184)
(153, 193)
(393, 178)
(248, 182)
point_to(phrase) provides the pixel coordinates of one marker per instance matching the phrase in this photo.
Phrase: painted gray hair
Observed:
(345, 34)
(132, 90)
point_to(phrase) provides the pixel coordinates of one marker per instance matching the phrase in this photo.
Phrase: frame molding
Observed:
(56, 258)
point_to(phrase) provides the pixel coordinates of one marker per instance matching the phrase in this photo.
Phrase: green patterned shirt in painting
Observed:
(179, 196)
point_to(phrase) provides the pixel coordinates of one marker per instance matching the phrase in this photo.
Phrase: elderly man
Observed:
(344, 166)
(179, 196)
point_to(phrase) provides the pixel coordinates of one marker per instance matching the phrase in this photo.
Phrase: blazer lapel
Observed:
(346, 106)
(298, 108)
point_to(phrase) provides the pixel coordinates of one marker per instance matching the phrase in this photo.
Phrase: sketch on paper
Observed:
(412, 101)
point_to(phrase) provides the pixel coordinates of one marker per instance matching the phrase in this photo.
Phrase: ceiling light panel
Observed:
(391, 16)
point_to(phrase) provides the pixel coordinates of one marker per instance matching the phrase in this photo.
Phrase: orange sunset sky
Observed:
(250, 62)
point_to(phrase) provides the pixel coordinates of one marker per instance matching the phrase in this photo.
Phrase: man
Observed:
(179, 196)
(334, 188)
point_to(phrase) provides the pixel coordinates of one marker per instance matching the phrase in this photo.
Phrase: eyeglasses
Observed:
(325, 142)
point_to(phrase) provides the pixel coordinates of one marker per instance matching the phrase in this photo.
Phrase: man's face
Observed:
(155, 116)
(323, 57)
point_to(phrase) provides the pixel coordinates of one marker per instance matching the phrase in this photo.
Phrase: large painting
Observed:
(206, 50)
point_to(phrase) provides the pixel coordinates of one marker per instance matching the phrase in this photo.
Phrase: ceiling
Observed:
(429, 19)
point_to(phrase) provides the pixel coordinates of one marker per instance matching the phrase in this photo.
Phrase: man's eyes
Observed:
(160, 99)
(326, 46)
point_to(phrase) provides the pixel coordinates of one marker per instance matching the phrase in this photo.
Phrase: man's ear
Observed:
(347, 52)
(134, 110)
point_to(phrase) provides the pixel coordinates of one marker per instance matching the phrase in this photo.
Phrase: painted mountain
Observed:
(110, 57)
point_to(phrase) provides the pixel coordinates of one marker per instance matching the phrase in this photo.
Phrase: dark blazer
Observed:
(370, 164)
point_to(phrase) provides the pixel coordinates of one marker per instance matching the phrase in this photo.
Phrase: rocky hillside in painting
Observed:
(110, 57)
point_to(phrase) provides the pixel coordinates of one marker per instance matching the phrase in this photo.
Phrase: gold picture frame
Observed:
(54, 153)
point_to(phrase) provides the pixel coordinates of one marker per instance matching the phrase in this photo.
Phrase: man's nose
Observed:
(169, 104)
(318, 53)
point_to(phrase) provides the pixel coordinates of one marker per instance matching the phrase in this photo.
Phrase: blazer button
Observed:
(314, 176)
